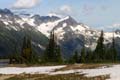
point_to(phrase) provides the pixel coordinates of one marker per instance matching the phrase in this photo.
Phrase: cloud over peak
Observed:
(25, 4)
(65, 8)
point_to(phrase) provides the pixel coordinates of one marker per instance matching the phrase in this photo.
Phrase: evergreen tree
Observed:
(83, 55)
(15, 57)
(58, 54)
(26, 50)
(53, 52)
(99, 53)
(89, 56)
(75, 58)
(112, 50)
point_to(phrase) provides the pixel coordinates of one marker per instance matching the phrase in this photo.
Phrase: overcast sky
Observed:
(101, 14)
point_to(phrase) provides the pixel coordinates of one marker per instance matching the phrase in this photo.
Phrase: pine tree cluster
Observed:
(52, 53)
(101, 53)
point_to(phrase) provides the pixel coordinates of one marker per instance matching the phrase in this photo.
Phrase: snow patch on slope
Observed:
(45, 28)
(64, 25)
(39, 45)
(21, 22)
(30, 21)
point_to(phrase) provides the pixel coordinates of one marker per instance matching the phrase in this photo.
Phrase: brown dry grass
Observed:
(83, 66)
(73, 76)
(57, 77)
(3, 77)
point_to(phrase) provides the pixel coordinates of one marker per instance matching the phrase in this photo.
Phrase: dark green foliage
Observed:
(105, 54)
(100, 49)
(26, 50)
(111, 52)
(83, 55)
(89, 56)
(9, 38)
(15, 57)
(74, 58)
(27, 55)
(53, 51)
(58, 54)
(100, 54)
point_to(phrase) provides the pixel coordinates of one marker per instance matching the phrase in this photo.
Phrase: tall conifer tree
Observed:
(113, 51)
(100, 48)
(26, 50)
(53, 51)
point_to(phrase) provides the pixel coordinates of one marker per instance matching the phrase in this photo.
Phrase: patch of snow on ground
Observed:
(113, 71)
(30, 70)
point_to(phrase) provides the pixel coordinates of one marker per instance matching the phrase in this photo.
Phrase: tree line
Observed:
(52, 53)
(102, 53)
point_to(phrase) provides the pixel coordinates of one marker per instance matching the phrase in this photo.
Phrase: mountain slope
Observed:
(12, 31)
(71, 35)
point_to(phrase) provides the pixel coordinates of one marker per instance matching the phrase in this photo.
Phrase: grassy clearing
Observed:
(57, 77)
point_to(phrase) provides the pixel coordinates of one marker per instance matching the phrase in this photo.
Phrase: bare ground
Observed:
(4, 77)
(57, 77)
(83, 66)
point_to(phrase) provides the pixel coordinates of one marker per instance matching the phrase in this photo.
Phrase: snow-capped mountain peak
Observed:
(67, 29)
(46, 28)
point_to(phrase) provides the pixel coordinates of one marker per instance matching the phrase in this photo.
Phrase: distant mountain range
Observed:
(71, 34)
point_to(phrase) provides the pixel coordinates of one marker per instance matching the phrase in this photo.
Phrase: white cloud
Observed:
(111, 27)
(116, 25)
(24, 4)
(65, 8)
